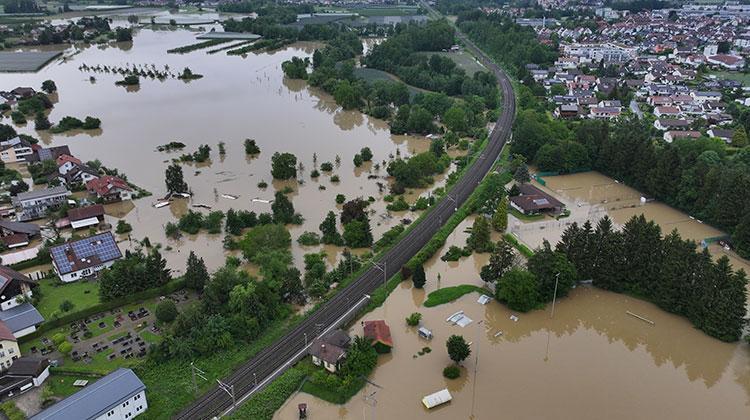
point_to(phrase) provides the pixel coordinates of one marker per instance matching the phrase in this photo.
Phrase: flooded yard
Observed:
(590, 361)
(592, 195)
(239, 97)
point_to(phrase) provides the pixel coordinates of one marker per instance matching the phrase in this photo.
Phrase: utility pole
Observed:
(384, 269)
(554, 297)
(197, 373)
(229, 389)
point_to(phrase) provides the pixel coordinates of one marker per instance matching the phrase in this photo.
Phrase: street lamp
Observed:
(554, 297)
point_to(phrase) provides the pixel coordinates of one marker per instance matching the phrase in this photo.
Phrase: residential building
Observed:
(117, 396)
(83, 217)
(18, 234)
(15, 150)
(725, 135)
(671, 135)
(21, 319)
(703, 97)
(730, 62)
(24, 374)
(110, 188)
(36, 204)
(329, 351)
(49, 153)
(15, 288)
(85, 257)
(665, 124)
(9, 350)
(379, 335)
(533, 200)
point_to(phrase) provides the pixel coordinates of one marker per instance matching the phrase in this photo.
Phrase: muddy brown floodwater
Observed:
(239, 97)
(591, 195)
(591, 361)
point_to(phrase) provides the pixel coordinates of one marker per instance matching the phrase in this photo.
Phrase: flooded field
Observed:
(239, 97)
(591, 195)
(591, 361)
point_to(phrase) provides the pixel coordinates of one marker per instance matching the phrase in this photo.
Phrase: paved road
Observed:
(271, 362)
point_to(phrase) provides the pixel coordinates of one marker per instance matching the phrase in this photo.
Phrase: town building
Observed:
(379, 335)
(329, 351)
(9, 350)
(110, 188)
(18, 234)
(15, 150)
(83, 258)
(36, 204)
(83, 217)
(532, 200)
(21, 319)
(118, 396)
(15, 288)
(24, 374)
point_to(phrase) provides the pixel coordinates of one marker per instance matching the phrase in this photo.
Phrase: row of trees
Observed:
(137, 271)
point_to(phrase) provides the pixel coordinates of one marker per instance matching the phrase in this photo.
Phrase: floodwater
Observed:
(239, 97)
(590, 361)
(592, 195)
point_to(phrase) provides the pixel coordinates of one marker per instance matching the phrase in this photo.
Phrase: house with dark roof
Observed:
(15, 150)
(533, 200)
(83, 217)
(21, 319)
(330, 350)
(24, 374)
(379, 334)
(14, 288)
(725, 135)
(118, 396)
(36, 204)
(17, 234)
(85, 257)
(47, 153)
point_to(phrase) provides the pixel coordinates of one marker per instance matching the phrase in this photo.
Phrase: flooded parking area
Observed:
(592, 195)
(239, 97)
(590, 361)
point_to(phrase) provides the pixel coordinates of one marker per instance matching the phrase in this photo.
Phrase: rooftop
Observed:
(21, 317)
(96, 399)
(378, 331)
(37, 194)
(83, 253)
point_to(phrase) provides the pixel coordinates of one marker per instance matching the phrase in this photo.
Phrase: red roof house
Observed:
(379, 334)
(110, 188)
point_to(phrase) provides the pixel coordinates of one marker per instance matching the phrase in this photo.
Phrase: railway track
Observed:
(272, 361)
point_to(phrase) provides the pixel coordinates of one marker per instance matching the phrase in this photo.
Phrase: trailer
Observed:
(439, 398)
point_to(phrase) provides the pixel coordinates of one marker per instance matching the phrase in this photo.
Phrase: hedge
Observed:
(31, 263)
(523, 249)
(449, 294)
(51, 324)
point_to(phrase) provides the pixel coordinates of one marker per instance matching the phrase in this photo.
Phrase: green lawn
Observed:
(733, 75)
(371, 75)
(150, 337)
(62, 385)
(449, 294)
(463, 60)
(83, 294)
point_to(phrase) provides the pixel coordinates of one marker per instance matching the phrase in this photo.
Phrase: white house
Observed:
(15, 150)
(118, 396)
(85, 257)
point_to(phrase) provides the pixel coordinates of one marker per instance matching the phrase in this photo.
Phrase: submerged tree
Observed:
(174, 179)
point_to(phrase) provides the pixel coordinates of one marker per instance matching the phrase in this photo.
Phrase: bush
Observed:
(309, 239)
(314, 173)
(58, 339)
(335, 178)
(398, 205)
(251, 148)
(91, 123)
(172, 230)
(65, 347)
(123, 227)
(413, 319)
(326, 166)
(454, 253)
(166, 311)
(452, 372)
(11, 411)
(262, 184)
(340, 198)
(66, 306)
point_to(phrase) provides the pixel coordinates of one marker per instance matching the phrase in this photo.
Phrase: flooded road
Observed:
(591, 195)
(591, 361)
(239, 97)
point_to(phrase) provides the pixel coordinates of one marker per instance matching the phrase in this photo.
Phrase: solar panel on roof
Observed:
(102, 246)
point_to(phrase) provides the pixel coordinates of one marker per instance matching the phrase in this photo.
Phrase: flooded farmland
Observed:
(239, 97)
(592, 195)
(590, 361)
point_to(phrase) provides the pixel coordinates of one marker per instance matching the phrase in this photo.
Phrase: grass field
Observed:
(449, 294)
(62, 385)
(733, 75)
(83, 294)
(371, 75)
(463, 60)
(387, 11)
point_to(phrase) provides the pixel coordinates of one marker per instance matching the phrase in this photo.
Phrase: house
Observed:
(567, 111)
(671, 136)
(533, 200)
(15, 150)
(17, 234)
(23, 92)
(665, 124)
(66, 163)
(24, 374)
(725, 135)
(667, 112)
(330, 350)
(36, 204)
(730, 62)
(9, 350)
(110, 188)
(21, 319)
(379, 335)
(14, 288)
(117, 396)
(79, 174)
(604, 112)
(85, 257)
(50, 153)
(86, 216)
(703, 97)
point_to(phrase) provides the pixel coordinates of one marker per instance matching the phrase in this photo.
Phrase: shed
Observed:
(379, 334)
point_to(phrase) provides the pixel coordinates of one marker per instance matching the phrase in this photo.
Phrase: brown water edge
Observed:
(238, 98)
(591, 195)
(590, 361)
